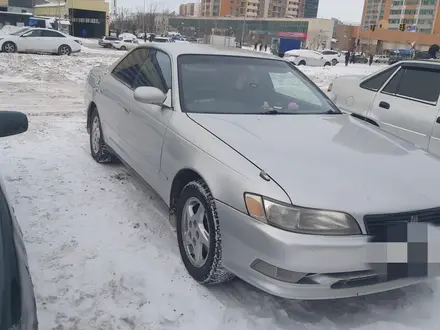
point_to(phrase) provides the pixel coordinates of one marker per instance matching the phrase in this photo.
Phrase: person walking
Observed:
(353, 58)
(261, 47)
(255, 46)
(371, 59)
(265, 47)
(347, 57)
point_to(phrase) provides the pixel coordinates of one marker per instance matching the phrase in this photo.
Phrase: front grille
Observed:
(381, 226)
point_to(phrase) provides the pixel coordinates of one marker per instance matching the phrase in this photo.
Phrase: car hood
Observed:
(333, 162)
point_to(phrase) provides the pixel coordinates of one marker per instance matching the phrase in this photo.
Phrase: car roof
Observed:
(421, 62)
(176, 49)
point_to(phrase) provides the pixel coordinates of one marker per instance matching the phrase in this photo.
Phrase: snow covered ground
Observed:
(101, 251)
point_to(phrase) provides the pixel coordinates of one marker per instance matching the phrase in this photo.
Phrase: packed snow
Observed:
(102, 253)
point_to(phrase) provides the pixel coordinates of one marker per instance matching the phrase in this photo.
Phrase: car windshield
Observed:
(245, 85)
(19, 32)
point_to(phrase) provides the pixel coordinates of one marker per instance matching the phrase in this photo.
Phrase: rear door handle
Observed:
(384, 105)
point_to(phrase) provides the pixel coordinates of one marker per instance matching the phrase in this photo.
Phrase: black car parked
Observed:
(17, 299)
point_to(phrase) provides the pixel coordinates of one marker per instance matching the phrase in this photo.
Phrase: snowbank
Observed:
(8, 29)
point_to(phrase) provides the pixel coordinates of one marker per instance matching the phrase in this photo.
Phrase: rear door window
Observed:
(420, 84)
(376, 82)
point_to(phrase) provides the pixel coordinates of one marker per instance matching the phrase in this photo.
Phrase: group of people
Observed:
(350, 57)
(259, 46)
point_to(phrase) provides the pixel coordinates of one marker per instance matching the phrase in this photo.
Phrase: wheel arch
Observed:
(92, 106)
(180, 180)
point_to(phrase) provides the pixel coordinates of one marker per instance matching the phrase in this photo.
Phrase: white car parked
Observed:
(331, 55)
(125, 44)
(39, 40)
(381, 59)
(306, 57)
(163, 39)
(402, 99)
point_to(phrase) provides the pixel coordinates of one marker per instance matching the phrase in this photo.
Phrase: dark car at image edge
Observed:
(17, 299)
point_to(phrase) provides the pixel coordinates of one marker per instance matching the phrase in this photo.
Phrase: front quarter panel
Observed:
(227, 173)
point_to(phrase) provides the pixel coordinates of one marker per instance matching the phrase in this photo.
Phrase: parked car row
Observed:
(39, 40)
(245, 204)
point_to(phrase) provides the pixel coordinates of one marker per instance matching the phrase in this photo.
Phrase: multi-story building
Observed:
(189, 9)
(419, 15)
(260, 8)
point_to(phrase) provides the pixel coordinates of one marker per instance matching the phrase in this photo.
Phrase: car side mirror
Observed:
(149, 95)
(12, 123)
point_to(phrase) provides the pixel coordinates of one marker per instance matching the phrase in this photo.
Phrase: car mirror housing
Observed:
(12, 123)
(149, 95)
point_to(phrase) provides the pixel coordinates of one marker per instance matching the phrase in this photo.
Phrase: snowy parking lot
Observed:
(102, 253)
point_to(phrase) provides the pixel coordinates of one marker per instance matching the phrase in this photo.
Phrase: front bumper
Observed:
(297, 266)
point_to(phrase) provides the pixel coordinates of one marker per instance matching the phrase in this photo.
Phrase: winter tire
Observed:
(334, 62)
(98, 148)
(123, 48)
(302, 63)
(64, 50)
(9, 47)
(198, 235)
(327, 64)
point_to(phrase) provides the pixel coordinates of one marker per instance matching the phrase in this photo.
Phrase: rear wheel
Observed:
(198, 235)
(334, 62)
(64, 50)
(327, 64)
(302, 62)
(123, 48)
(9, 47)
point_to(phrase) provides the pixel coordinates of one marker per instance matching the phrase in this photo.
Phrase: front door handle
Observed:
(127, 111)
(384, 105)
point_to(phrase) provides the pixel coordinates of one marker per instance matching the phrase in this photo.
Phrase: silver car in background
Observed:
(264, 176)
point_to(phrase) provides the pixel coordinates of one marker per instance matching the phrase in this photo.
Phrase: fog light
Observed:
(276, 273)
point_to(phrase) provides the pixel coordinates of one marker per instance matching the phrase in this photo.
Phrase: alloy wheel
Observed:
(195, 232)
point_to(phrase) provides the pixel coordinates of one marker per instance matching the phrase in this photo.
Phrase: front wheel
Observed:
(302, 63)
(327, 64)
(64, 50)
(334, 62)
(198, 235)
(123, 48)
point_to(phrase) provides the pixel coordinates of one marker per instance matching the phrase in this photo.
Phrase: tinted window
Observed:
(127, 70)
(391, 87)
(128, 41)
(376, 82)
(241, 85)
(33, 33)
(160, 40)
(420, 84)
(55, 34)
(155, 72)
(328, 52)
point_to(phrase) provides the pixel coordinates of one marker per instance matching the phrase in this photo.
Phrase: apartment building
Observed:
(189, 9)
(421, 16)
(260, 8)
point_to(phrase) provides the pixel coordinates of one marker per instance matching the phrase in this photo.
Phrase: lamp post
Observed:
(244, 23)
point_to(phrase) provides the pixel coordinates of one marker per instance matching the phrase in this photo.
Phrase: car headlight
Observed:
(300, 220)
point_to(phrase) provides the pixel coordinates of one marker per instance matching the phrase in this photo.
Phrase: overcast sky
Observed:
(345, 10)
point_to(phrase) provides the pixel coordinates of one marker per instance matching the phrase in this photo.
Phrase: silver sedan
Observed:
(264, 177)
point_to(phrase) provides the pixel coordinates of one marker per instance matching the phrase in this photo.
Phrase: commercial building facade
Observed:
(315, 33)
(260, 8)
(91, 16)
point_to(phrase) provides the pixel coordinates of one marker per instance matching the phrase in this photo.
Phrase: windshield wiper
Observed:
(332, 112)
